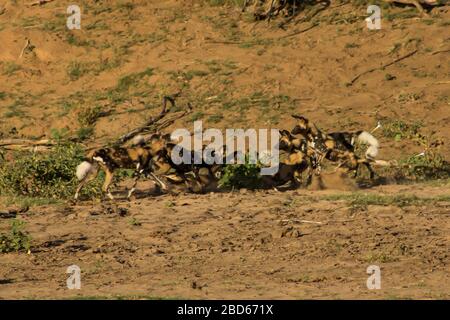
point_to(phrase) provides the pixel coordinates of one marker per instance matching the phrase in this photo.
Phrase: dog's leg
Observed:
(162, 184)
(89, 177)
(297, 178)
(108, 179)
(319, 164)
(371, 172)
(368, 166)
(133, 188)
(356, 171)
(137, 174)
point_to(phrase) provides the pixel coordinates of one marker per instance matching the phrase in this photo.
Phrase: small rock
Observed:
(278, 233)
(122, 211)
(264, 237)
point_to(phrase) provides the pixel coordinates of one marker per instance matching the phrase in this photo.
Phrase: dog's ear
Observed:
(167, 137)
(284, 133)
(154, 137)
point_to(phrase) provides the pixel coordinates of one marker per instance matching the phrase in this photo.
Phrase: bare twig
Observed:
(299, 31)
(244, 6)
(40, 2)
(269, 14)
(124, 138)
(153, 124)
(9, 142)
(27, 44)
(266, 39)
(24, 144)
(440, 51)
(382, 67)
(301, 221)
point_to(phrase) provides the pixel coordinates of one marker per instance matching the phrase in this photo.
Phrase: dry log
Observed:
(153, 124)
(9, 142)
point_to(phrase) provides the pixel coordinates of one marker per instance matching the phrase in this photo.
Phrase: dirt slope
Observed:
(235, 72)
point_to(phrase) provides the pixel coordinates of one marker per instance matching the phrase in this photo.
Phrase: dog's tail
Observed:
(138, 140)
(83, 169)
(367, 138)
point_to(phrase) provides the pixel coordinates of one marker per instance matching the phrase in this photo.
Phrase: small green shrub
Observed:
(84, 133)
(239, 3)
(89, 115)
(47, 175)
(197, 116)
(241, 176)
(398, 129)
(9, 68)
(58, 134)
(215, 118)
(135, 222)
(16, 240)
(130, 80)
(429, 164)
(76, 70)
(423, 167)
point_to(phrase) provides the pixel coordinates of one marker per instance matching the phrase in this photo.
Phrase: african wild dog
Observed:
(110, 159)
(337, 146)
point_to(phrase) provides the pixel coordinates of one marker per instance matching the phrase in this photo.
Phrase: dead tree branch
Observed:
(24, 144)
(382, 67)
(40, 2)
(154, 124)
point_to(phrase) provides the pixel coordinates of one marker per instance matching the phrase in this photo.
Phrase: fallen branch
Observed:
(439, 51)
(40, 2)
(299, 32)
(382, 67)
(27, 148)
(152, 124)
(324, 4)
(9, 142)
(27, 44)
(265, 39)
(244, 5)
(301, 221)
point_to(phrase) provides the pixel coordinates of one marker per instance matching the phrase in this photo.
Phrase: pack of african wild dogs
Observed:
(302, 152)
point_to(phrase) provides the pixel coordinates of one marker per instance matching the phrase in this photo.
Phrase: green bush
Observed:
(399, 130)
(16, 240)
(241, 176)
(426, 167)
(239, 3)
(89, 115)
(47, 175)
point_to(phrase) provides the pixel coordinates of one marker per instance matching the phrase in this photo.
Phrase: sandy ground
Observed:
(248, 244)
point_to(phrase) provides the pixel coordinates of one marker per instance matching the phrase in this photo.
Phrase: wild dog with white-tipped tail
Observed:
(337, 146)
(110, 159)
